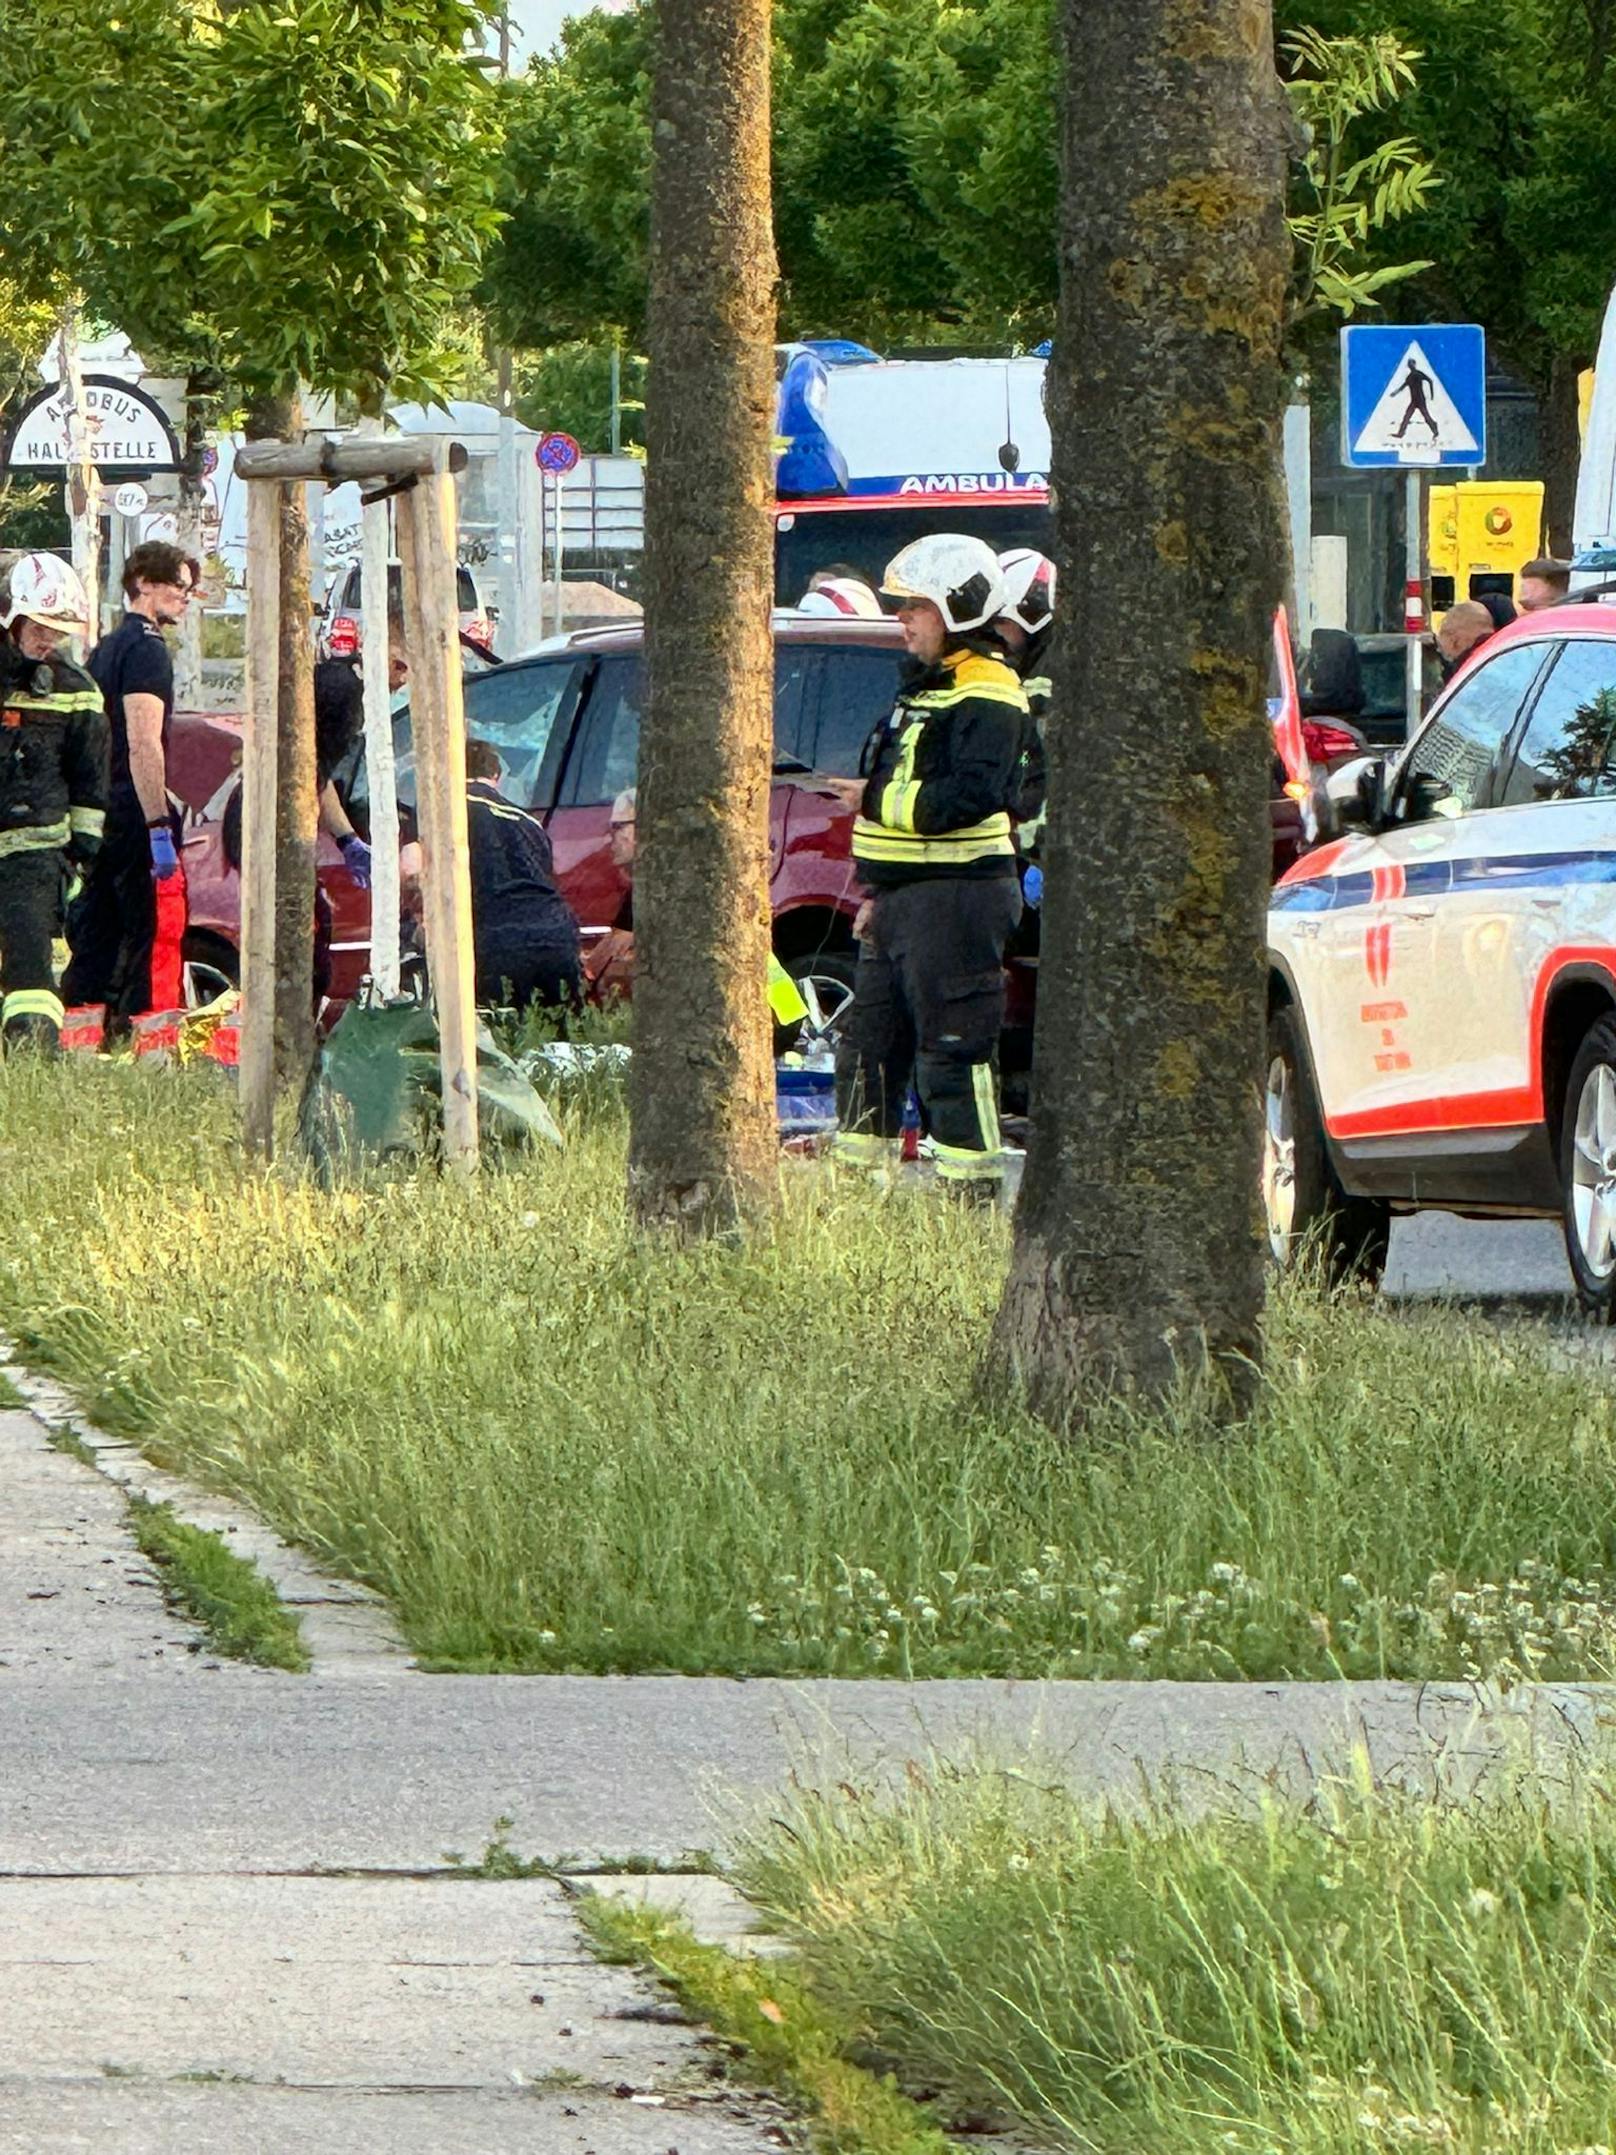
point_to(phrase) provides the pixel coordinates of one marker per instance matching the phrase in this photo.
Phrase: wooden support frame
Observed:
(258, 819)
(426, 524)
(423, 470)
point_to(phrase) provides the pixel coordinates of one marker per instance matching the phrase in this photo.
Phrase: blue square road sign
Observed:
(1413, 396)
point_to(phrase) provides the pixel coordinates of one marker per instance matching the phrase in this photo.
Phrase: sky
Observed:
(536, 23)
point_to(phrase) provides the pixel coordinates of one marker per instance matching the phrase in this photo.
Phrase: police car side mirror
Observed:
(1423, 797)
(1357, 795)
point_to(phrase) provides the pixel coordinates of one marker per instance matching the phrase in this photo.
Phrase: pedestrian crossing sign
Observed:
(1414, 395)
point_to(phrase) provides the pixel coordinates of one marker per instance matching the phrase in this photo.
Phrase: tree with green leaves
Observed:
(303, 198)
(914, 173)
(567, 389)
(1345, 195)
(1515, 106)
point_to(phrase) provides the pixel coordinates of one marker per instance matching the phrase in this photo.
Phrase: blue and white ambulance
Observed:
(873, 453)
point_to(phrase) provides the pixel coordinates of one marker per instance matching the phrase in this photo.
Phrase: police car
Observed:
(1442, 995)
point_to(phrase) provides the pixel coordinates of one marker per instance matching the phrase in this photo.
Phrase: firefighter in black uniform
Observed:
(525, 935)
(933, 845)
(53, 786)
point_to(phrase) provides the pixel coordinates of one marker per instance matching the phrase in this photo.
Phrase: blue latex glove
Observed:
(356, 858)
(165, 859)
(1032, 885)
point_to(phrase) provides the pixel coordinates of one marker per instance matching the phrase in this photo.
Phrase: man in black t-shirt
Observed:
(113, 927)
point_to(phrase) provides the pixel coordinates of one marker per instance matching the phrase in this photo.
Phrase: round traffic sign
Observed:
(558, 454)
(130, 498)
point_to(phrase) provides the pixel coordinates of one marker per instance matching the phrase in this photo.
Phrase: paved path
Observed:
(172, 1979)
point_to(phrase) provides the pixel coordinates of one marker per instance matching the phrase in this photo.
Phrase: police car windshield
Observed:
(867, 539)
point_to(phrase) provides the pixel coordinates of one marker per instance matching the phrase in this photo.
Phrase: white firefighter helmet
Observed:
(1030, 580)
(842, 595)
(45, 589)
(961, 577)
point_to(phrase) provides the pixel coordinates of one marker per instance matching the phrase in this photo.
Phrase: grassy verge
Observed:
(553, 1445)
(1375, 1974)
(785, 2037)
(228, 1596)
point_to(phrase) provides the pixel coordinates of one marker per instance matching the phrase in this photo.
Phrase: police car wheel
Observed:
(1305, 1210)
(1588, 1171)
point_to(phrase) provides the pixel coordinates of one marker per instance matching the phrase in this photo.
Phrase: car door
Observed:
(1392, 1023)
(851, 689)
(516, 709)
(1535, 889)
(602, 761)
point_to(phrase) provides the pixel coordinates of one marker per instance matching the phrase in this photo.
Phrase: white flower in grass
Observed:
(1483, 1903)
(1226, 1574)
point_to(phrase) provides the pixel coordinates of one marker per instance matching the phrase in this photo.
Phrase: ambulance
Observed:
(871, 453)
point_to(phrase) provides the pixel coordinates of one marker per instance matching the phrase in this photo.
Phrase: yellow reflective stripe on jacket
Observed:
(69, 700)
(944, 699)
(32, 1003)
(978, 841)
(87, 822)
(36, 838)
(785, 998)
(898, 803)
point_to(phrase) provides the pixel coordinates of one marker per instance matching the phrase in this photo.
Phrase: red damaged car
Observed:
(566, 725)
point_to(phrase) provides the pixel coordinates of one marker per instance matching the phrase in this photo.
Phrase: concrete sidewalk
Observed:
(227, 1915)
(197, 2002)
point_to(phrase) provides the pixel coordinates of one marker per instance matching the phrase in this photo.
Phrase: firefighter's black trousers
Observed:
(30, 906)
(113, 922)
(928, 1005)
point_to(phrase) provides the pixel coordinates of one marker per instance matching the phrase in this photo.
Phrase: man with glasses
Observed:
(136, 880)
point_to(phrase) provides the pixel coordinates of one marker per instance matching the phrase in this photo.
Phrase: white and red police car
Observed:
(1442, 998)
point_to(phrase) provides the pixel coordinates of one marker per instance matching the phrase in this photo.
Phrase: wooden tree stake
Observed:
(426, 527)
(258, 822)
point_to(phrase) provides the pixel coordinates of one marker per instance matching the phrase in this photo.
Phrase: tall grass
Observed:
(1376, 1973)
(556, 1445)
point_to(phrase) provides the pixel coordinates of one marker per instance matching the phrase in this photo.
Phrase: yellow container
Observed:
(1481, 533)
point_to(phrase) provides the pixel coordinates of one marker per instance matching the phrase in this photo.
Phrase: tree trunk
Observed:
(1136, 1247)
(1562, 452)
(702, 1136)
(296, 808)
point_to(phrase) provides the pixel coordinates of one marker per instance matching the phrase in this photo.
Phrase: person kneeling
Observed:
(525, 935)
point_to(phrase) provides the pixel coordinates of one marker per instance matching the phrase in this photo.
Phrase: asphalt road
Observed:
(1436, 1253)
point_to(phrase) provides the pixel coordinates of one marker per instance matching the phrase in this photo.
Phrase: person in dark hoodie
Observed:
(525, 935)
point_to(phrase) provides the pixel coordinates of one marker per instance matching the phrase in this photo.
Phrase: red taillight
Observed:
(344, 637)
(1324, 741)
